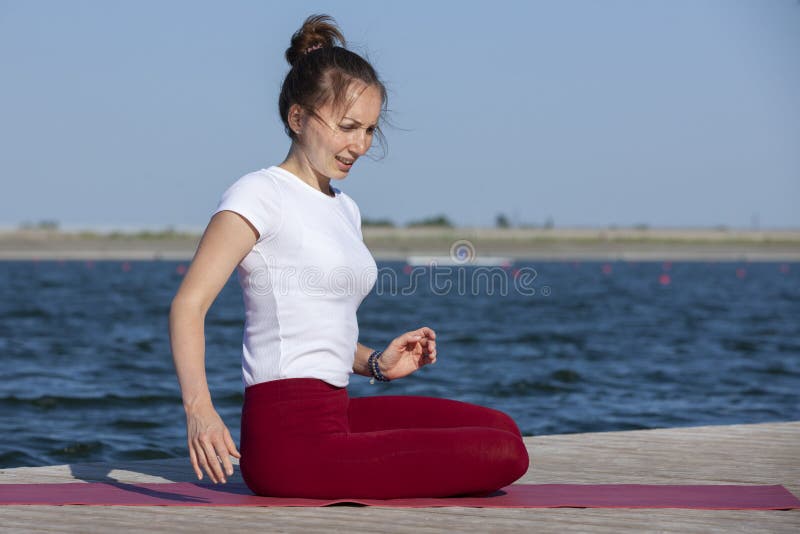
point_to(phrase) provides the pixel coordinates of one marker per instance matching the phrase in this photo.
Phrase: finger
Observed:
(409, 338)
(225, 461)
(195, 466)
(427, 332)
(226, 458)
(213, 463)
(431, 351)
(428, 346)
(201, 460)
(221, 460)
(231, 445)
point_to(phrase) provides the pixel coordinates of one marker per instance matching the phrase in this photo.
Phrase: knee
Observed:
(517, 458)
(510, 456)
(503, 421)
(508, 460)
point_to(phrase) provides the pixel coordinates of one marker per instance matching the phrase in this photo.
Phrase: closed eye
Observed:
(356, 125)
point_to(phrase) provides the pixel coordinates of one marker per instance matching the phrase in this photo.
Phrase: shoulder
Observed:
(255, 188)
(256, 197)
(257, 181)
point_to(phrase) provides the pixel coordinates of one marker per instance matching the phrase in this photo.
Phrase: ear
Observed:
(296, 118)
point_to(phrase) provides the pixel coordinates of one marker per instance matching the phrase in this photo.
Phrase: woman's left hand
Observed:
(408, 352)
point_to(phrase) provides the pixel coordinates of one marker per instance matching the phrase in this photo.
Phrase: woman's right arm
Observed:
(227, 239)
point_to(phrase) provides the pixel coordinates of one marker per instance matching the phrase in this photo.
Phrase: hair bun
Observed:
(317, 31)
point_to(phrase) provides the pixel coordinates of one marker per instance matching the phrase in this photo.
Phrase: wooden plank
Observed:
(734, 454)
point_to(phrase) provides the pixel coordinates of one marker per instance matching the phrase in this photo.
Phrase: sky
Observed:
(677, 113)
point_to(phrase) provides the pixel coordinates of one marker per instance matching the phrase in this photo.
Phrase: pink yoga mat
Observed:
(705, 497)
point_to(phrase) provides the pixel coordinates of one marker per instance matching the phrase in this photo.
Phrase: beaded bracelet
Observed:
(374, 370)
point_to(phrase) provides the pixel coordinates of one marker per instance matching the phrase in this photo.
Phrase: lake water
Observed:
(563, 347)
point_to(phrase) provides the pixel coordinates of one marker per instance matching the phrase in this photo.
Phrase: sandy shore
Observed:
(400, 243)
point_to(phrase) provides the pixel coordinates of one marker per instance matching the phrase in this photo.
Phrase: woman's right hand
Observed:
(210, 443)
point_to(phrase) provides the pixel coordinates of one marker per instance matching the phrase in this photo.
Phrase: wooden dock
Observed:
(734, 454)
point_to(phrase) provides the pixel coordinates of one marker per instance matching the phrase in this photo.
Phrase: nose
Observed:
(362, 142)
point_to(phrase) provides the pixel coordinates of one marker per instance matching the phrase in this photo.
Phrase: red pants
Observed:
(302, 437)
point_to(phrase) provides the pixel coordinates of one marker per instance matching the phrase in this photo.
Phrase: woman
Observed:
(296, 243)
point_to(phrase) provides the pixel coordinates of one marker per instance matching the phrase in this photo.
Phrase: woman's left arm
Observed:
(404, 355)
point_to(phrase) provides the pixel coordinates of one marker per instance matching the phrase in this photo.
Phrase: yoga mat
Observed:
(704, 497)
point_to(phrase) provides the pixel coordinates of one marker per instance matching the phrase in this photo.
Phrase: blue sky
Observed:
(669, 113)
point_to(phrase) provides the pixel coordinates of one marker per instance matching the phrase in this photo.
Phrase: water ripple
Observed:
(88, 373)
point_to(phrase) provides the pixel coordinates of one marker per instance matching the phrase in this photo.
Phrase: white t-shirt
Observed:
(303, 280)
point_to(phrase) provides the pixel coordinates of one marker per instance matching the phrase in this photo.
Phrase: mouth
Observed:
(345, 163)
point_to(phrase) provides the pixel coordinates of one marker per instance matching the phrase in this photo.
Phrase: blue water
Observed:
(87, 372)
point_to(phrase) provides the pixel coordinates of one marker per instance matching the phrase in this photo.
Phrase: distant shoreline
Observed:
(399, 243)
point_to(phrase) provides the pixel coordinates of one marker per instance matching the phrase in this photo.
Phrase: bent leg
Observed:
(402, 463)
(368, 414)
(298, 441)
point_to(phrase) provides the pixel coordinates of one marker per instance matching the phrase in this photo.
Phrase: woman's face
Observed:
(331, 143)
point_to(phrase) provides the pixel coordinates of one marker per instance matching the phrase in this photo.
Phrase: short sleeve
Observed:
(255, 197)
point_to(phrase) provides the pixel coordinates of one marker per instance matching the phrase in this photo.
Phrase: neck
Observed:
(297, 164)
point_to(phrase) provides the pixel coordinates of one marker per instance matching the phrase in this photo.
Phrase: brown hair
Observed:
(322, 71)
